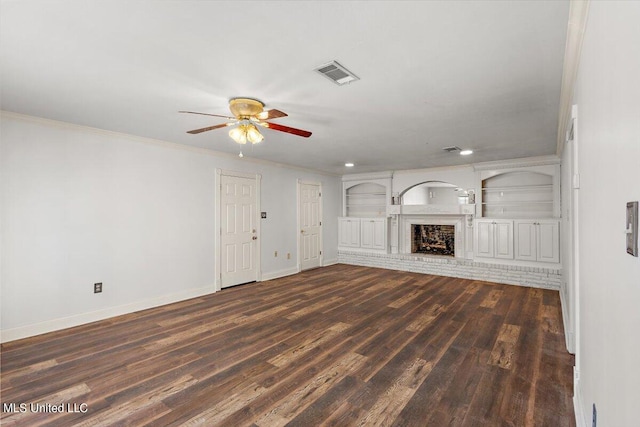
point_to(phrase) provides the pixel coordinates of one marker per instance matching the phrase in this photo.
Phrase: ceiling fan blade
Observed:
(207, 114)
(195, 131)
(299, 132)
(271, 114)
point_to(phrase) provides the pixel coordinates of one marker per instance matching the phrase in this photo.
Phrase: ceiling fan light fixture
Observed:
(246, 132)
(239, 134)
(248, 115)
(253, 134)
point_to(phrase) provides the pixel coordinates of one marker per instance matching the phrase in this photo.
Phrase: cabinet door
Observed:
(484, 239)
(349, 232)
(380, 234)
(548, 241)
(503, 235)
(526, 240)
(373, 233)
(367, 230)
(379, 237)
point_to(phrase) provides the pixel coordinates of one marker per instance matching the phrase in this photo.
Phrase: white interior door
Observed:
(238, 231)
(310, 220)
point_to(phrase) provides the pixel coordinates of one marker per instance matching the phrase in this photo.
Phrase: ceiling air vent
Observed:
(452, 149)
(337, 73)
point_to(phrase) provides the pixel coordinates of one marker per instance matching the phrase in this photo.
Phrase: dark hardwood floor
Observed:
(341, 345)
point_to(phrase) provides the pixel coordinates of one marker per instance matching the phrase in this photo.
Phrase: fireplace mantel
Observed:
(401, 216)
(408, 221)
(468, 209)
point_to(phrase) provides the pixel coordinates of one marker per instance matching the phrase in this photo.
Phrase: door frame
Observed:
(298, 237)
(575, 240)
(218, 222)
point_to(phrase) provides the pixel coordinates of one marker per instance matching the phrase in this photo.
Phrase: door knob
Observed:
(301, 231)
(254, 238)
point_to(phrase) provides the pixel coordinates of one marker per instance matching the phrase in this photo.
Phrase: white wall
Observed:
(81, 206)
(607, 93)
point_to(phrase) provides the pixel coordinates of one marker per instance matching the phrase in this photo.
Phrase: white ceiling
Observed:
(484, 75)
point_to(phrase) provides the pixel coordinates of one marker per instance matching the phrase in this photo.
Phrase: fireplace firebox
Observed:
(433, 239)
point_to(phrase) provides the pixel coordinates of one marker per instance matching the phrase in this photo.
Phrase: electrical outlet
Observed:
(275, 254)
(594, 419)
(97, 288)
(288, 255)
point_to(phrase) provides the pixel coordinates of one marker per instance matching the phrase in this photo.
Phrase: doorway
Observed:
(310, 225)
(239, 249)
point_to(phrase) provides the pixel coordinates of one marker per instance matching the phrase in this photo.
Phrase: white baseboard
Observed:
(328, 262)
(279, 273)
(93, 316)
(581, 421)
(569, 335)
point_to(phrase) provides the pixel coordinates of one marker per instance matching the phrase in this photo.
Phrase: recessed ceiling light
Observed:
(349, 165)
(466, 152)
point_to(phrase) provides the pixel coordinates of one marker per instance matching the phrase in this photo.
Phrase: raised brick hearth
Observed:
(535, 277)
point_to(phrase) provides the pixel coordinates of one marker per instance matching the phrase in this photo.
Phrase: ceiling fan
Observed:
(247, 113)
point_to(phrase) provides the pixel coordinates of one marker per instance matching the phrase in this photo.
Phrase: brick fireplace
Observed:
(438, 235)
(433, 239)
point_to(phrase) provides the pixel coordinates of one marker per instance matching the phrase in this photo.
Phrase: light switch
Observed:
(632, 228)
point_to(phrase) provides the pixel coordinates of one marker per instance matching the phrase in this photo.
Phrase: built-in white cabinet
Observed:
(519, 207)
(365, 200)
(349, 232)
(364, 233)
(373, 233)
(520, 240)
(537, 240)
(494, 238)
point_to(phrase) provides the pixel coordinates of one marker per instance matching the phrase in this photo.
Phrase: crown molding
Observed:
(578, 12)
(367, 175)
(157, 142)
(518, 163)
(432, 169)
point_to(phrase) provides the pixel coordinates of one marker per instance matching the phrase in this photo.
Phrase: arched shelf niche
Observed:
(367, 199)
(436, 193)
(519, 194)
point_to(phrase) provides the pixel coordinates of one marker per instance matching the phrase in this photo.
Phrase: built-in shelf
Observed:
(367, 206)
(519, 194)
(519, 188)
(366, 200)
(518, 203)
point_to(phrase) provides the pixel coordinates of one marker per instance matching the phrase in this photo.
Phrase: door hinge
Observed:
(319, 194)
(320, 222)
(320, 252)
